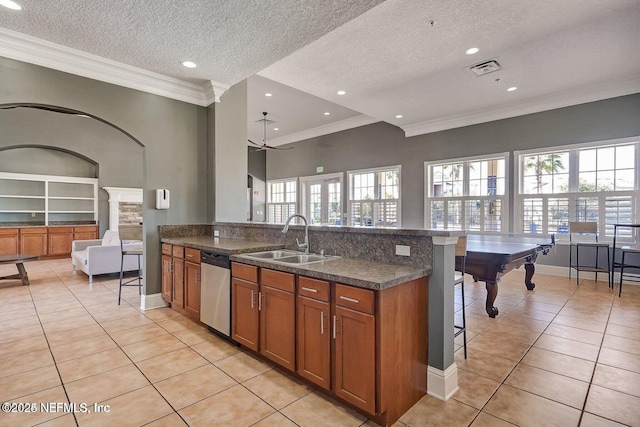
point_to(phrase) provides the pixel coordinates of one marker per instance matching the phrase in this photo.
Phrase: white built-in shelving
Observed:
(43, 199)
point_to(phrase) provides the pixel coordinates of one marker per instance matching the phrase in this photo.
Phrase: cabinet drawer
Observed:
(56, 230)
(178, 251)
(244, 271)
(313, 288)
(85, 229)
(166, 248)
(8, 231)
(355, 298)
(278, 280)
(192, 255)
(34, 230)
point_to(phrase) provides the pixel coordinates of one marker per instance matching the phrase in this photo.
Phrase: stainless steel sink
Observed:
(272, 254)
(302, 259)
(290, 257)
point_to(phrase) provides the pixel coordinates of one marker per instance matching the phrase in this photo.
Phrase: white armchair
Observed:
(101, 256)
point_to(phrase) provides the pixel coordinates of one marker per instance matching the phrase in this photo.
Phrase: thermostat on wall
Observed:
(162, 198)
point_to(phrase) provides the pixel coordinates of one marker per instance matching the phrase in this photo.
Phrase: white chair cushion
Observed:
(110, 238)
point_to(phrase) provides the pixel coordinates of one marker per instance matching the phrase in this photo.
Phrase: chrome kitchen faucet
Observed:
(304, 245)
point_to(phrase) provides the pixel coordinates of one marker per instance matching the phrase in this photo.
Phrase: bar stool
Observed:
(134, 247)
(458, 279)
(588, 230)
(632, 277)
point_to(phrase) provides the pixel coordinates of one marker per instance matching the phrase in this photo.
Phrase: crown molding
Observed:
(213, 91)
(562, 99)
(36, 51)
(351, 123)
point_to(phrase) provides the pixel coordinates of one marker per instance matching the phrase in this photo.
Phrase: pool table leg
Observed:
(529, 269)
(492, 293)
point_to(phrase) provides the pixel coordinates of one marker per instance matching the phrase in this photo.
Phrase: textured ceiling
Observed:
(229, 40)
(388, 56)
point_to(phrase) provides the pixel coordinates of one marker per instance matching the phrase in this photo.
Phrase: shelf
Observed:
(48, 195)
(69, 198)
(20, 211)
(9, 196)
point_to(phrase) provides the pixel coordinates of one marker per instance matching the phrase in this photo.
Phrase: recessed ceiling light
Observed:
(276, 128)
(268, 94)
(512, 88)
(10, 4)
(189, 64)
(399, 116)
(341, 92)
(327, 113)
(472, 50)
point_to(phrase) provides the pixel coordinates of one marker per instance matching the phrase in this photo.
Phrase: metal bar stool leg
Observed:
(621, 274)
(121, 273)
(464, 321)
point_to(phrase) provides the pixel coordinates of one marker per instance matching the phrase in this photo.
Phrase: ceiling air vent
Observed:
(485, 68)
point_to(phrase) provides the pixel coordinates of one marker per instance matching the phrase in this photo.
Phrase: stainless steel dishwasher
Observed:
(215, 297)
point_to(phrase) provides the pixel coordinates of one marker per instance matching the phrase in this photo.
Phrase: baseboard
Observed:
(149, 302)
(442, 384)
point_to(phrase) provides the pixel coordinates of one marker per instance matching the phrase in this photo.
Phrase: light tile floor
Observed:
(560, 355)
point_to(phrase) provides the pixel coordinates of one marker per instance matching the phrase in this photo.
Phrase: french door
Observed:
(322, 199)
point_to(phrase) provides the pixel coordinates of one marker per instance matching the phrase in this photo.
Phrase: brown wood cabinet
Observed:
(8, 241)
(192, 283)
(263, 315)
(45, 241)
(181, 279)
(245, 316)
(85, 232)
(167, 277)
(313, 331)
(365, 347)
(33, 241)
(60, 239)
(355, 366)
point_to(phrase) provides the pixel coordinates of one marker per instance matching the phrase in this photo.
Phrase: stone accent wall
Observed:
(129, 213)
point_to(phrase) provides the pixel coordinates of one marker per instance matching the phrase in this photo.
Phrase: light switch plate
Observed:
(216, 233)
(403, 250)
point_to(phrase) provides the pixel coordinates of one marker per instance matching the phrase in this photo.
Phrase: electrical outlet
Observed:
(403, 250)
(33, 214)
(216, 233)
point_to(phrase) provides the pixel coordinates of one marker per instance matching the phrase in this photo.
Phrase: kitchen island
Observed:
(356, 325)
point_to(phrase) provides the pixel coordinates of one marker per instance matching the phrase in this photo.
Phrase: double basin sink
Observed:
(290, 257)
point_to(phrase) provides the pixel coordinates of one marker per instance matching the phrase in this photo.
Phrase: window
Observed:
(467, 193)
(374, 197)
(587, 182)
(281, 201)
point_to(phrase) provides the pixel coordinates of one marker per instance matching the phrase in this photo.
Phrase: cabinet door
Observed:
(85, 233)
(8, 241)
(60, 243)
(167, 278)
(192, 288)
(314, 344)
(244, 313)
(33, 244)
(277, 326)
(178, 282)
(354, 381)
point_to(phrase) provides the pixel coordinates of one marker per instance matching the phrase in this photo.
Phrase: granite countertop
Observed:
(350, 271)
(221, 245)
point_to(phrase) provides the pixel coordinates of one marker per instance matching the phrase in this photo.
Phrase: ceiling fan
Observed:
(264, 146)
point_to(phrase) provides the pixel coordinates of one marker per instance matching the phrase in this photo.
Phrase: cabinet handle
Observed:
(189, 256)
(322, 323)
(335, 322)
(251, 299)
(197, 277)
(353, 300)
(309, 289)
(259, 301)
